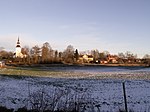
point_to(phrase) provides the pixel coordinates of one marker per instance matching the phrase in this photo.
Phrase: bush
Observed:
(4, 109)
(24, 109)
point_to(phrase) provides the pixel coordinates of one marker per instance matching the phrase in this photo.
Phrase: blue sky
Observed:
(112, 25)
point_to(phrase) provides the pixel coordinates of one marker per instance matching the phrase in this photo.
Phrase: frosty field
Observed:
(96, 89)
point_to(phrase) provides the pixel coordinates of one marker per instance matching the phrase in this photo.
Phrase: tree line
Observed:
(37, 55)
(46, 55)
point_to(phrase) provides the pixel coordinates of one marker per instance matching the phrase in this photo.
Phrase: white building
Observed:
(18, 50)
(2, 64)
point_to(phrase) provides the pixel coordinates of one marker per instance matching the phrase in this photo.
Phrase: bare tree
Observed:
(26, 56)
(46, 52)
(122, 58)
(35, 53)
(56, 56)
(2, 48)
(102, 56)
(106, 53)
(4, 55)
(68, 54)
(121, 55)
(146, 59)
(146, 56)
(131, 57)
(60, 56)
(95, 54)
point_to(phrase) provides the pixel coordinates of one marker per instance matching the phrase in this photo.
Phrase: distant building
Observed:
(103, 61)
(85, 58)
(112, 58)
(18, 50)
(2, 64)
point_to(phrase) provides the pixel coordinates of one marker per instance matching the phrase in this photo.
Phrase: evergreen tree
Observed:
(76, 55)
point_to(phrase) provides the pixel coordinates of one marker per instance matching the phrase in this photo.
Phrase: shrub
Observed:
(4, 109)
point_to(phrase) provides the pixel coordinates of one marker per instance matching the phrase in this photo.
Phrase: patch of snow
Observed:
(108, 93)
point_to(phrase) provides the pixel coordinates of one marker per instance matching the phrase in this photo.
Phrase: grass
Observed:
(36, 72)
(28, 72)
(42, 72)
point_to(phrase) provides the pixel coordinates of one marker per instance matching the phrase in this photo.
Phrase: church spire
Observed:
(18, 43)
(18, 49)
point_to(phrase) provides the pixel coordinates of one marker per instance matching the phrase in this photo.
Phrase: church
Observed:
(18, 53)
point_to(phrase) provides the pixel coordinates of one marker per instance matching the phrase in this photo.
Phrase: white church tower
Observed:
(18, 50)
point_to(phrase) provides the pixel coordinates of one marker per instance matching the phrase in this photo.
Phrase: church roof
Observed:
(18, 46)
(18, 43)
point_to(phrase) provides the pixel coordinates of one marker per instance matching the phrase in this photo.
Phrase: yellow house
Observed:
(85, 58)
